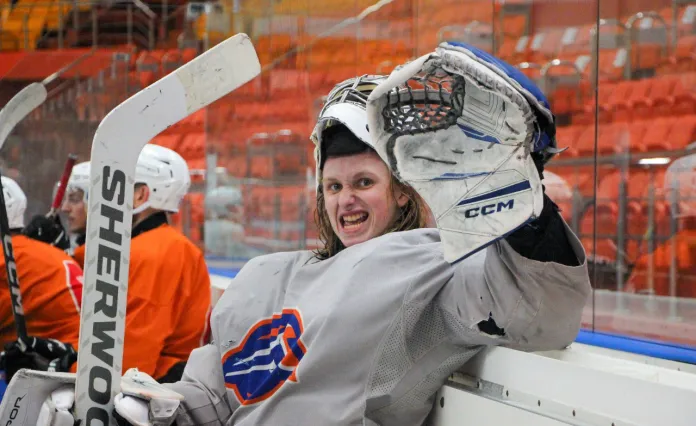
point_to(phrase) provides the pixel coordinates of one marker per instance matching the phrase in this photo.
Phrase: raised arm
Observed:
(471, 135)
(525, 291)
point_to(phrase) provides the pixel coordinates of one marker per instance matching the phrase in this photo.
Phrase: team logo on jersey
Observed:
(266, 358)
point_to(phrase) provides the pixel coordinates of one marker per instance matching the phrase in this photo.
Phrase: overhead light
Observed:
(654, 161)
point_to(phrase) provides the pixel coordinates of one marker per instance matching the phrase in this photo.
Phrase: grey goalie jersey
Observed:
(368, 336)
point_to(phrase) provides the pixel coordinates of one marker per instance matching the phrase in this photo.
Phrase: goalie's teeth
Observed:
(351, 220)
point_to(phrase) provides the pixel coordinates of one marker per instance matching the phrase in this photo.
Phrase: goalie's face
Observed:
(359, 197)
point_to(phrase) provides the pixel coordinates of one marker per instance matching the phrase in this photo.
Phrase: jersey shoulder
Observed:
(79, 255)
(163, 241)
(40, 253)
(283, 258)
(403, 246)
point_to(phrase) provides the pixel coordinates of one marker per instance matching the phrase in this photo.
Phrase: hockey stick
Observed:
(19, 107)
(117, 143)
(60, 193)
(12, 113)
(12, 278)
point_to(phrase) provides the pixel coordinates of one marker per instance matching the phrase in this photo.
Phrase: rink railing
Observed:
(140, 21)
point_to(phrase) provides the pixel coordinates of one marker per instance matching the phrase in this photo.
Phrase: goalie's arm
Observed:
(525, 291)
(545, 239)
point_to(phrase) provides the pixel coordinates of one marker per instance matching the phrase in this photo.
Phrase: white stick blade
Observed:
(19, 107)
(219, 71)
(115, 149)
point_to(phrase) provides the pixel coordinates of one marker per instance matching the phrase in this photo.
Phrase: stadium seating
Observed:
(645, 105)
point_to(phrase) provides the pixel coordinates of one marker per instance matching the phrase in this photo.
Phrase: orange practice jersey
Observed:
(168, 301)
(79, 255)
(51, 286)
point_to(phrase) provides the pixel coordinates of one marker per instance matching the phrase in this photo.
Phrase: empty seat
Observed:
(609, 220)
(655, 137)
(652, 273)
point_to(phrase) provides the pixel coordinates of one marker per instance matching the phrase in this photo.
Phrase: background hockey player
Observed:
(367, 329)
(51, 289)
(74, 207)
(51, 230)
(169, 291)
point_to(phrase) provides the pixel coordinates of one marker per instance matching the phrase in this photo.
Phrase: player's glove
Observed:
(144, 402)
(41, 354)
(470, 134)
(48, 230)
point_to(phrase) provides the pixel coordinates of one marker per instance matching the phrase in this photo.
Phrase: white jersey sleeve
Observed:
(523, 303)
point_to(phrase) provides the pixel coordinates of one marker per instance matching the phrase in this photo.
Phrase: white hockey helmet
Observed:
(15, 202)
(222, 198)
(167, 176)
(346, 104)
(79, 178)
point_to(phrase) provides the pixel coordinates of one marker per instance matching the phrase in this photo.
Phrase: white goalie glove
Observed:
(459, 126)
(40, 398)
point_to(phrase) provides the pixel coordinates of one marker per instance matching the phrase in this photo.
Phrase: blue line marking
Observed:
(517, 187)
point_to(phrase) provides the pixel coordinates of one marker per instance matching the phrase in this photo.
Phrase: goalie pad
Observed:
(459, 126)
(27, 394)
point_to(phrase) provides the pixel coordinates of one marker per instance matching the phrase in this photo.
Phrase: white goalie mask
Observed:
(166, 174)
(15, 202)
(459, 126)
(345, 104)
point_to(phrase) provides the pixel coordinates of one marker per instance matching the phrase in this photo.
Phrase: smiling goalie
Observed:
(470, 135)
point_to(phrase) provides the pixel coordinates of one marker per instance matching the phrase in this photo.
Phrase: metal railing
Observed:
(136, 18)
(631, 37)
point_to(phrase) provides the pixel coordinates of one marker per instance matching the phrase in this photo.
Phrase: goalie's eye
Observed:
(333, 187)
(365, 182)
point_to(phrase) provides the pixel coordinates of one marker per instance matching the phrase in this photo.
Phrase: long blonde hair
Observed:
(413, 215)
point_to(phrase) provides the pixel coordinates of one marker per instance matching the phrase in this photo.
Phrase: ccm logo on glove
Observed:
(489, 209)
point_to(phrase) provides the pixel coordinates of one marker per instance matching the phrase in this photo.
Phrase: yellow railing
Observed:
(24, 24)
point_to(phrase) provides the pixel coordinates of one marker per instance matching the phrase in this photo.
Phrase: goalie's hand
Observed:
(49, 230)
(41, 354)
(144, 402)
(139, 409)
(58, 410)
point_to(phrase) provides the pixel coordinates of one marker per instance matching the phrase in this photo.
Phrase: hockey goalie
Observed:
(365, 330)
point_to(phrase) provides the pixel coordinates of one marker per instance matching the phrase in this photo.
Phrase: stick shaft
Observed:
(60, 193)
(11, 268)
